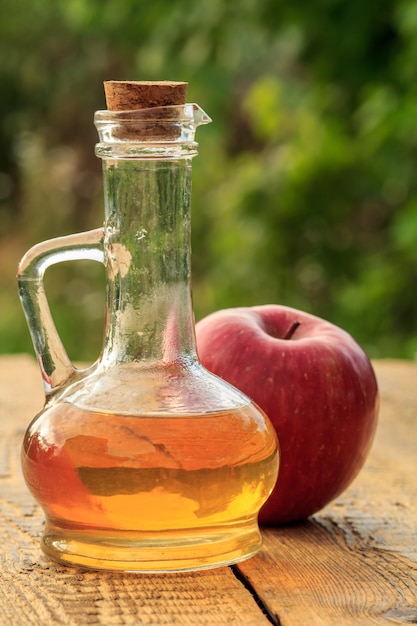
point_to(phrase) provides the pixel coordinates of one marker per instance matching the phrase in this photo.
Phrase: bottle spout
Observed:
(200, 116)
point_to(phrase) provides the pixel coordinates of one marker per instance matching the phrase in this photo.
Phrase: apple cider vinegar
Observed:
(105, 479)
(144, 461)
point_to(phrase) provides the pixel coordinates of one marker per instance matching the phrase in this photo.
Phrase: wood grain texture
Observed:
(354, 563)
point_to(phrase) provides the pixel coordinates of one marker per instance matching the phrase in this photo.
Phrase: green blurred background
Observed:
(305, 190)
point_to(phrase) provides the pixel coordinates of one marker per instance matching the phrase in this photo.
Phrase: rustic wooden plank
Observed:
(34, 590)
(356, 561)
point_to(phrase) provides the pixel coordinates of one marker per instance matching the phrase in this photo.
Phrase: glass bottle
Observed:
(144, 461)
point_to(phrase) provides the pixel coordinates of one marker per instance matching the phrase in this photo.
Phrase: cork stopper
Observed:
(134, 95)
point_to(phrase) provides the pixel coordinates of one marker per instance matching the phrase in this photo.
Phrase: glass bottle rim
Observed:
(157, 132)
(184, 113)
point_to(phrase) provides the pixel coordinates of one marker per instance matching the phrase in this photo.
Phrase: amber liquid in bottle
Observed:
(103, 479)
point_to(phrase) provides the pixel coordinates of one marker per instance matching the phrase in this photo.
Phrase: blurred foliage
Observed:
(305, 190)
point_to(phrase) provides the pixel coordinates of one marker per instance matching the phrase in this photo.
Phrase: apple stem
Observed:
(292, 329)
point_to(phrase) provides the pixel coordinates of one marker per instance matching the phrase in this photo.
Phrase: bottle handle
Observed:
(56, 367)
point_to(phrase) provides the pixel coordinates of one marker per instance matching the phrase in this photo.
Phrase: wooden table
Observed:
(353, 563)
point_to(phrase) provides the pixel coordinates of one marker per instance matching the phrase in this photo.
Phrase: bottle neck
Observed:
(149, 314)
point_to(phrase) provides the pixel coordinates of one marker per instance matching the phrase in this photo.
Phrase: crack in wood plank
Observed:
(272, 617)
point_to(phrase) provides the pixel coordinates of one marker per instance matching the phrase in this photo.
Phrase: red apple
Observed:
(317, 387)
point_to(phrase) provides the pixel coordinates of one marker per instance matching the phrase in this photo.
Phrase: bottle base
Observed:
(152, 552)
